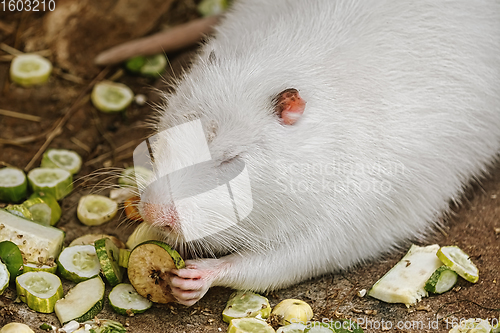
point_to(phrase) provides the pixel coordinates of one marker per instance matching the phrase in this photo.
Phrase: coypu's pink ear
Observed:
(289, 106)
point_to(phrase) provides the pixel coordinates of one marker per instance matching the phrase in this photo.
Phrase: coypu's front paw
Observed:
(190, 284)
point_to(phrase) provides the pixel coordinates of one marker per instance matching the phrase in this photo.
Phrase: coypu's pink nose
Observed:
(160, 215)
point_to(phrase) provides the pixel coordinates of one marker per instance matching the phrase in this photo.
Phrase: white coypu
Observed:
(402, 112)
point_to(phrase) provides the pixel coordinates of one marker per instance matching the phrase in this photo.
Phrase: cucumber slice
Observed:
(101, 326)
(108, 255)
(56, 182)
(126, 301)
(39, 290)
(110, 96)
(405, 282)
(212, 7)
(62, 159)
(246, 304)
(13, 185)
(90, 239)
(12, 258)
(30, 69)
(149, 266)
(4, 277)
(135, 177)
(123, 258)
(20, 210)
(37, 242)
(318, 327)
(81, 303)
(16, 328)
(442, 280)
(459, 261)
(249, 325)
(96, 209)
(135, 64)
(44, 208)
(293, 311)
(78, 263)
(37, 267)
(292, 328)
(152, 66)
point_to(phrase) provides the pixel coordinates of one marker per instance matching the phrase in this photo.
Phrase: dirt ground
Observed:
(107, 141)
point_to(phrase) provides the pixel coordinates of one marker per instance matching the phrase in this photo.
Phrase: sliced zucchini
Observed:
(126, 301)
(37, 242)
(152, 66)
(121, 194)
(81, 303)
(135, 177)
(109, 255)
(405, 282)
(90, 239)
(249, 325)
(94, 209)
(39, 267)
(39, 290)
(16, 328)
(246, 304)
(212, 7)
(318, 327)
(4, 277)
(101, 326)
(149, 267)
(12, 258)
(124, 256)
(293, 311)
(78, 263)
(56, 182)
(30, 69)
(20, 210)
(63, 159)
(13, 185)
(108, 96)
(442, 280)
(44, 208)
(459, 261)
(292, 328)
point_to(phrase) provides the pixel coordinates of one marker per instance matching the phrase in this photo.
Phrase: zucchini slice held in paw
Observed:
(149, 266)
(39, 290)
(109, 255)
(81, 303)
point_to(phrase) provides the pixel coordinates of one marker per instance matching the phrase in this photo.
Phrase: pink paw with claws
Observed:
(190, 284)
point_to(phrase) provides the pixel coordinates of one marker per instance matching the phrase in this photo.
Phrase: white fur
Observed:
(403, 111)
